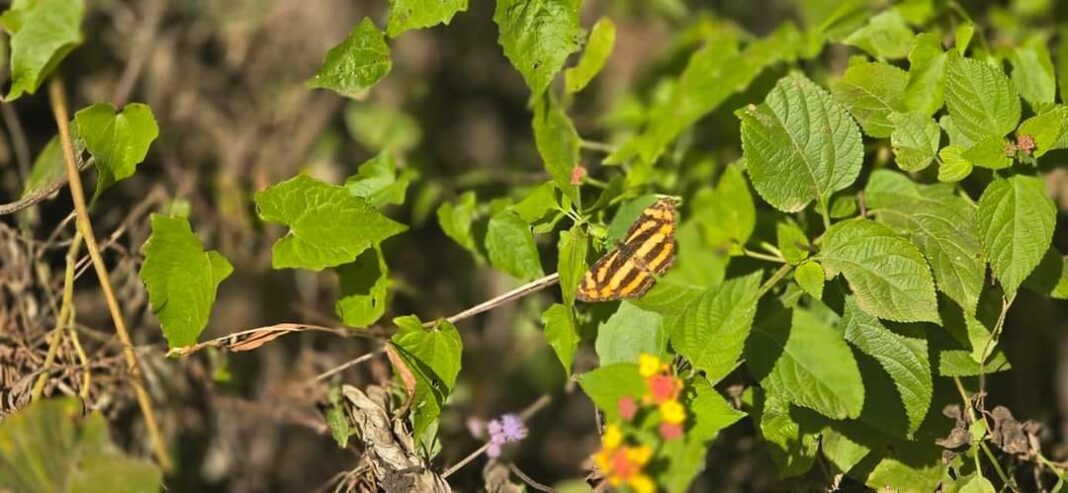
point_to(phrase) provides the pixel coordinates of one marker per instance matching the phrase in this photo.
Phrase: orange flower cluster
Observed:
(664, 390)
(622, 464)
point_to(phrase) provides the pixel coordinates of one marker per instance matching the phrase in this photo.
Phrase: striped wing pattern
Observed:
(632, 267)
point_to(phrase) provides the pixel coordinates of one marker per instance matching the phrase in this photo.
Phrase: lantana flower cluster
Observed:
(624, 464)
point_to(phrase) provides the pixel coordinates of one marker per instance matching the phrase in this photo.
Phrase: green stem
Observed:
(774, 279)
(597, 146)
(761, 256)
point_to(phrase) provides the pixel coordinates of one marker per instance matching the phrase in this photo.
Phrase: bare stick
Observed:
(521, 291)
(59, 110)
(526, 479)
(334, 371)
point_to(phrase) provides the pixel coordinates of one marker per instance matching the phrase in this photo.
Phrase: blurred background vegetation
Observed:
(225, 80)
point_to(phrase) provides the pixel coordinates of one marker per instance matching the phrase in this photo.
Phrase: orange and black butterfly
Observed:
(632, 267)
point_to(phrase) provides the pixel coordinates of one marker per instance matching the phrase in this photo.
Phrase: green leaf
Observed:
(809, 275)
(886, 35)
(455, 220)
(572, 262)
(607, 384)
(907, 466)
(181, 279)
(417, 14)
(904, 359)
(710, 330)
(437, 348)
(792, 442)
(872, 92)
(48, 447)
(377, 181)
(557, 142)
(118, 141)
(42, 34)
(1016, 220)
(1049, 130)
(1032, 73)
(915, 140)
(511, 248)
(561, 334)
(380, 127)
(1050, 278)
(793, 243)
(364, 286)
(328, 225)
(799, 145)
(709, 414)
(538, 36)
(358, 63)
(962, 37)
(980, 98)
(887, 273)
(959, 363)
(954, 167)
(629, 332)
(807, 363)
(726, 213)
(989, 152)
(977, 484)
(598, 48)
(927, 75)
(336, 419)
(940, 223)
(540, 205)
(841, 450)
(49, 167)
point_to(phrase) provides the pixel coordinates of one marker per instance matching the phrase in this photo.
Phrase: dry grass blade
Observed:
(402, 369)
(248, 340)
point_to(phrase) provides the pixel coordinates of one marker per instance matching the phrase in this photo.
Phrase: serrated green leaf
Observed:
(1016, 220)
(959, 363)
(537, 37)
(940, 223)
(118, 141)
(872, 92)
(809, 275)
(355, 65)
(328, 225)
(629, 332)
(954, 166)
(841, 450)
(792, 442)
(915, 140)
(42, 34)
(181, 279)
(1032, 73)
(980, 98)
(793, 243)
(455, 220)
(364, 285)
(417, 14)
(377, 181)
(47, 447)
(807, 363)
(561, 334)
(598, 48)
(927, 75)
(726, 213)
(908, 466)
(572, 262)
(557, 143)
(886, 35)
(380, 127)
(799, 145)
(1049, 130)
(887, 273)
(903, 357)
(989, 152)
(607, 384)
(510, 246)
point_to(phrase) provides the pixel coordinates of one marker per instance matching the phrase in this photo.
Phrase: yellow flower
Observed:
(640, 455)
(603, 459)
(642, 484)
(672, 412)
(613, 437)
(648, 365)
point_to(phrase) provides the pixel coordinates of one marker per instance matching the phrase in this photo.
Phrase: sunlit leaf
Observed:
(1016, 220)
(598, 48)
(538, 36)
(353, 66)
(43, 32)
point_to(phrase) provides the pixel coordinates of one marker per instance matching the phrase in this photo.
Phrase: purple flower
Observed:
(506, 429)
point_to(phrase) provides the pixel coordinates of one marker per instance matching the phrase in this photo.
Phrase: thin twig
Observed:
(338, 369)
(43, 193)
(59, 110)
(521, 291)
(526, 479)
(62, 319)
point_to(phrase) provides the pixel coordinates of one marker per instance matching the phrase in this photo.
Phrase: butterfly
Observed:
(632, 267)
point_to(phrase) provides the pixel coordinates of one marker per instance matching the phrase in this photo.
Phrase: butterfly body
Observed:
(631, 268)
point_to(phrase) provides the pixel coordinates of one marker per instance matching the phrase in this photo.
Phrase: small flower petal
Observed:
(642, 484)
(670, 431)
(628, 407)
(648, 365)
(613, 437)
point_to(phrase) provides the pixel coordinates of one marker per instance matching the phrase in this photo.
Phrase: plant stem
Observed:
(597, 146)
(521, 291)
(774, 279)
(59, 110)
(761, 256)
(62, 320)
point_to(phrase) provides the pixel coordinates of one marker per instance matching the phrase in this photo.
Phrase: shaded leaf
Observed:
(793, 243)
(455, 220)
(726, 213)
(561, 334)
(1032, 73)
(792, 443)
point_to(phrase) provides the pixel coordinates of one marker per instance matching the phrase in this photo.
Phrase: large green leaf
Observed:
(598, 48)
(358, 63)
(887, 273)
(416, 14)
(980, 98)
(364, 286)
(1016, 220)
(915, 140)
(927, 75)
(799, 145)
(181, 278)
(903, 357)
(711, 329)
(940, 223)
(118, 141)
(538, 36)
(561, 334)
(557, 142)
(328, 225)
(872, 92)
(806, 362)
(511, 248)
(629, 332)
(48, 447)
(42, 34)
